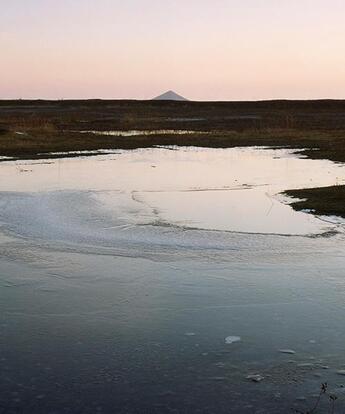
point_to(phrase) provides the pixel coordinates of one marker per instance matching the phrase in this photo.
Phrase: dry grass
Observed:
(53, 125)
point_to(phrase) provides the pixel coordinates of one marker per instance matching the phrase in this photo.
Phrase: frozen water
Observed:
(109, 264)
(231, 339)
(233, 190)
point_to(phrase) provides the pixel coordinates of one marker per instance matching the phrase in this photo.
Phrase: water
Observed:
(132, 133)
(123, 276)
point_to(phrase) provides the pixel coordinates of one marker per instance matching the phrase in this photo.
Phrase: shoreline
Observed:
(315, 129)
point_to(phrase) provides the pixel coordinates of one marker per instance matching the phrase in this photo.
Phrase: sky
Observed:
(202, 49)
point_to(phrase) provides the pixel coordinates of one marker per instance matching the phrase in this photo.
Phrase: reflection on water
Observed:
(165, 280)
(231, 190)
(132, 133)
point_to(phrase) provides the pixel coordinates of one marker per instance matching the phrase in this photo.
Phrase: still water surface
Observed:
(158, 280)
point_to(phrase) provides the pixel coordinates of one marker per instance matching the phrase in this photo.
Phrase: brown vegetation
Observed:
(322, 200)
(54, 125)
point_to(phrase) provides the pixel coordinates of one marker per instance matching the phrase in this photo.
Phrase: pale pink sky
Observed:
(202, 49)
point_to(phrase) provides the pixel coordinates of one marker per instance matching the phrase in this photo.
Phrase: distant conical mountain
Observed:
(170, 96)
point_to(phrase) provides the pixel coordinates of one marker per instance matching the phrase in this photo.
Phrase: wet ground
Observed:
(163, 280)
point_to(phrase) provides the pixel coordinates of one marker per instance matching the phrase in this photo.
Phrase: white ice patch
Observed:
(232, 339)
(287, 351)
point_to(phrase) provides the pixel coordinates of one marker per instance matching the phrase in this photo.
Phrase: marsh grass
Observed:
(320, 201)
(52, 125)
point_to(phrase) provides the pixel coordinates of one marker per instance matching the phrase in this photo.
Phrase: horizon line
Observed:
(171, 100)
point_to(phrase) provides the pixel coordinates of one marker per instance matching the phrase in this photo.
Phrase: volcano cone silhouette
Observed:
(170, 96)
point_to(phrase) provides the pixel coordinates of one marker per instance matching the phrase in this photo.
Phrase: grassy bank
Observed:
(29, 143)
(322, 200)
